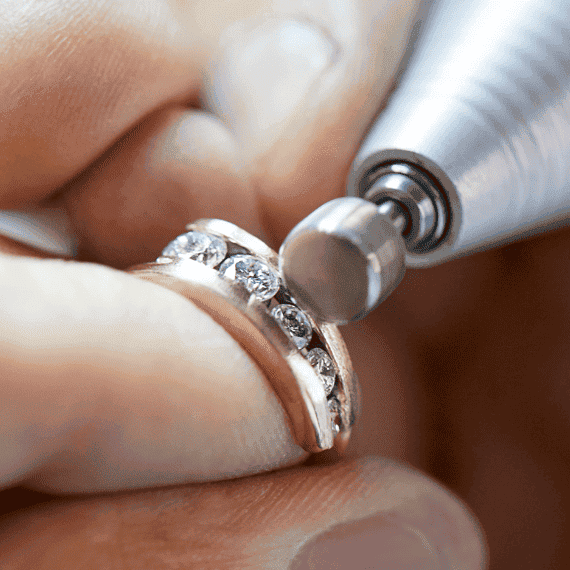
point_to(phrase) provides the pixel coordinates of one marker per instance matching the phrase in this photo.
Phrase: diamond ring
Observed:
(234, 277)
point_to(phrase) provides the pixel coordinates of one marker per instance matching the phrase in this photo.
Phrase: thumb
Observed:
(298, 86)
(108, 382)
(360, 514)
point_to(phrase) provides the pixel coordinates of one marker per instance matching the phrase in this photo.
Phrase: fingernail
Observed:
(374, 543)
(267, 70)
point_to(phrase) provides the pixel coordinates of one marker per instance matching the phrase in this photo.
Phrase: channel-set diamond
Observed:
(255, 275)
(295, 323)
(324, 366)
(334, 411)
(199, 246)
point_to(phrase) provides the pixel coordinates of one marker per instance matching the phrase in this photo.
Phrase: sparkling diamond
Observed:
(199, 246)
(324, 366)
(334, 410)
(295, 323)
(255, 275)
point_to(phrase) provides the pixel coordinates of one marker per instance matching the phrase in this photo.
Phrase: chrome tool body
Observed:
(472, 151)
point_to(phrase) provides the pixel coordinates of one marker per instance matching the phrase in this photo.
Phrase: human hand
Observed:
(100, 121)
(110, 383)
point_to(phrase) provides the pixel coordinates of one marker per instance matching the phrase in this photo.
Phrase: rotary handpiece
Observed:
(472, 151)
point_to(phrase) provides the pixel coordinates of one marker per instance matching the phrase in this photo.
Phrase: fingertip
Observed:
(381, 514)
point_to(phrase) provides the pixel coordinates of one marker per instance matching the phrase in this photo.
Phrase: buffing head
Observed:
(343, 259)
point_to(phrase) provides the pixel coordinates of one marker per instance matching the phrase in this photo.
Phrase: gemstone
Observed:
(205, 248)
(255, 275)
(324, 367)
(295, 323)
(334, 410)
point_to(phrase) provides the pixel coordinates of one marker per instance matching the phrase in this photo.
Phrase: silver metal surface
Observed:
(344, 259)
(396, 213)
(349, 255)
(420, 199)
(484, 108)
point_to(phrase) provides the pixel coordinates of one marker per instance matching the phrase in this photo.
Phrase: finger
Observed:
(76, 75)
(298, 84)
(177, 166)
(362, 514)
(108, 382)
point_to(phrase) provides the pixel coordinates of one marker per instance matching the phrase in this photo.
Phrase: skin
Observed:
(463, 371)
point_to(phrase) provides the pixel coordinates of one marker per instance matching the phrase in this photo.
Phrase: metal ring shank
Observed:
(249, 321)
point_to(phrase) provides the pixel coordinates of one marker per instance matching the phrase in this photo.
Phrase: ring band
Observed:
(234, 277)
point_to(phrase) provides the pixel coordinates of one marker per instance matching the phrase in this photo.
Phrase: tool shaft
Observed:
(484, 108)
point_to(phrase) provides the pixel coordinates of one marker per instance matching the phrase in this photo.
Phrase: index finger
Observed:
(76, 75)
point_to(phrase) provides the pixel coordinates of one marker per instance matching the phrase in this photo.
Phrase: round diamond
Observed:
(255, 275)
(334, 410)
(324, 366)
(295, 323)
(205, 248)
